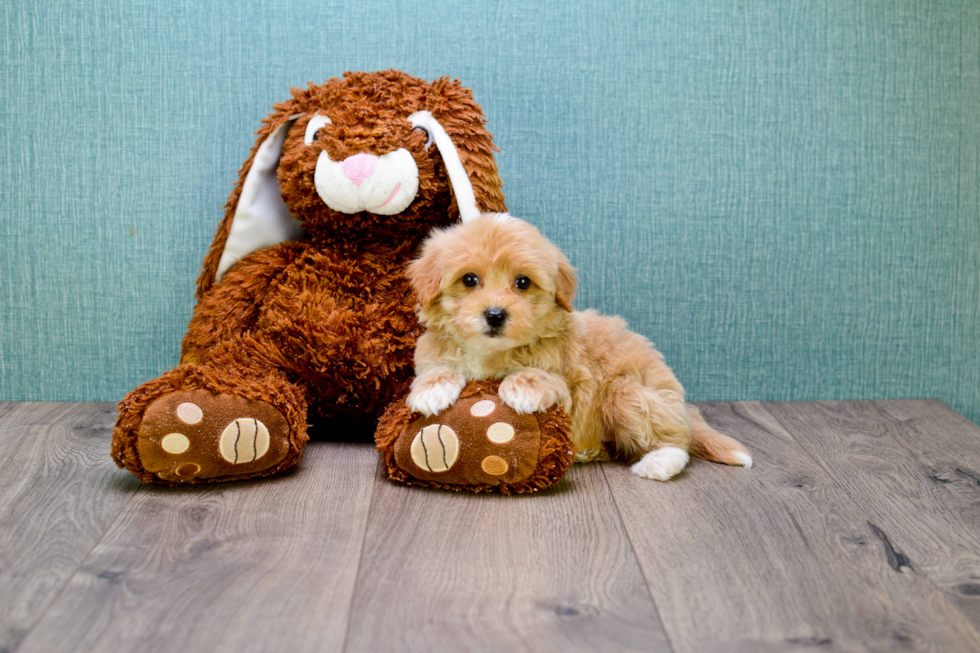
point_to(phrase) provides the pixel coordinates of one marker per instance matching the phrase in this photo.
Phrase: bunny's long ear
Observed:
(458, 177)
(255, 215)
(461, 119)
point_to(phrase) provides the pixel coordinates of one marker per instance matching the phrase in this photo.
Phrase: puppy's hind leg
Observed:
(711, 445)
(662, 464)
(650, 423)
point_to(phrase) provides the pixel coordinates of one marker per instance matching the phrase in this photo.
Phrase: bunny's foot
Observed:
(479, 444)
(189, 427)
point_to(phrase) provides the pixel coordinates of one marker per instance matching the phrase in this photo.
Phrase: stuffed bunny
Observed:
(303, 312)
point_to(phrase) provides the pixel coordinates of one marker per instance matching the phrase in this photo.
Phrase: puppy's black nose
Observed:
(495, 317)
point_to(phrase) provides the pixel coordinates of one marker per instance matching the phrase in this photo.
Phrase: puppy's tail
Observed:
(711, 445)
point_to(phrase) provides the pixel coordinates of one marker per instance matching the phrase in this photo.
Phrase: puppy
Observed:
(495, 298)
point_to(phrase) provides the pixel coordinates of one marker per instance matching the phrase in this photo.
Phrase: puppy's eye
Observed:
(470, 280)
(522, 282)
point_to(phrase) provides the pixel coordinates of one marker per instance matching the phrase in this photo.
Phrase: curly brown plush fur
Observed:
(323, 326)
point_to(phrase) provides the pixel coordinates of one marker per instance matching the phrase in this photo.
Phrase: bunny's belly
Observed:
(346, 327)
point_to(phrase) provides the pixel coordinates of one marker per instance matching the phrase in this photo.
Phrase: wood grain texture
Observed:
(58, 413)
(776, 558)
(59, 493)
(460, 572)
(267, 565)
(914, 468)
(857, 530)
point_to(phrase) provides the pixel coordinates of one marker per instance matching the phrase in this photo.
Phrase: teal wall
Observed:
(783, 195)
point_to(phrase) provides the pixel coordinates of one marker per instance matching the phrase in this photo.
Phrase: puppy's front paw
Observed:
(435, 393)
(662, 464)
(533, 391)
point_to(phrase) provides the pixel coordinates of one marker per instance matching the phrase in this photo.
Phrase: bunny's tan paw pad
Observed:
(477, 440)
(195, 435)
(478, 444)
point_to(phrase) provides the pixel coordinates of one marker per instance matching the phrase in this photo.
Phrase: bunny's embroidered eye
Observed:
(470, 280)
(428, 136)
(522, 282)
(313, 127)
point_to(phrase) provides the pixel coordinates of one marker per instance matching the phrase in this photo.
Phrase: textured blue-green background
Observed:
(783, 195)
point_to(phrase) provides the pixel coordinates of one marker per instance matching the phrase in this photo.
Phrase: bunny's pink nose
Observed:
(359, 167)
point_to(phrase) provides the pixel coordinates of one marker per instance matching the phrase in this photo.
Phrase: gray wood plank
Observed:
(776, 558)
(461, 572)
(266, 565)
(914, 467)
(59, 493)
(25, 413)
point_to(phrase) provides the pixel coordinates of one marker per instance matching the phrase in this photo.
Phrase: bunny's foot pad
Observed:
(196, 435)
(192, 425)
(478, 445)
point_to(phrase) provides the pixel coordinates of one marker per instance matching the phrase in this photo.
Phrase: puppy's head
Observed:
(495, 282)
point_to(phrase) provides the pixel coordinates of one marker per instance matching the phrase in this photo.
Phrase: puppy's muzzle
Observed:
(495, 317)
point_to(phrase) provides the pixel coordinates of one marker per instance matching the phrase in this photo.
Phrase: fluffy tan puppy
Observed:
(495, 298)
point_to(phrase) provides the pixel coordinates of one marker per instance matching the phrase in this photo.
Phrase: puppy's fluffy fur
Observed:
(495, 298)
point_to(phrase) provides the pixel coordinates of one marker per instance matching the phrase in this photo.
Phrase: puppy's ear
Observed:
(565, 284)
(425, 275)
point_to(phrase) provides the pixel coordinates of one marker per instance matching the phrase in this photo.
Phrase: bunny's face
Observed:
(375, 158)
(359, 159)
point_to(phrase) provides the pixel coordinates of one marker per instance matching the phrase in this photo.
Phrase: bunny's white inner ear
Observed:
(261, 219)
(462, 188)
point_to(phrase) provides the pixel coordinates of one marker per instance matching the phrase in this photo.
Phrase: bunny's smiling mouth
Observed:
(393, 193)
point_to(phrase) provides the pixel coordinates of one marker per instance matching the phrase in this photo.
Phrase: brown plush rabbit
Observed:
(304, 312)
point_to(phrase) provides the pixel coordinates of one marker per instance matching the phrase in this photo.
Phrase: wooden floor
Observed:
(857, 530)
